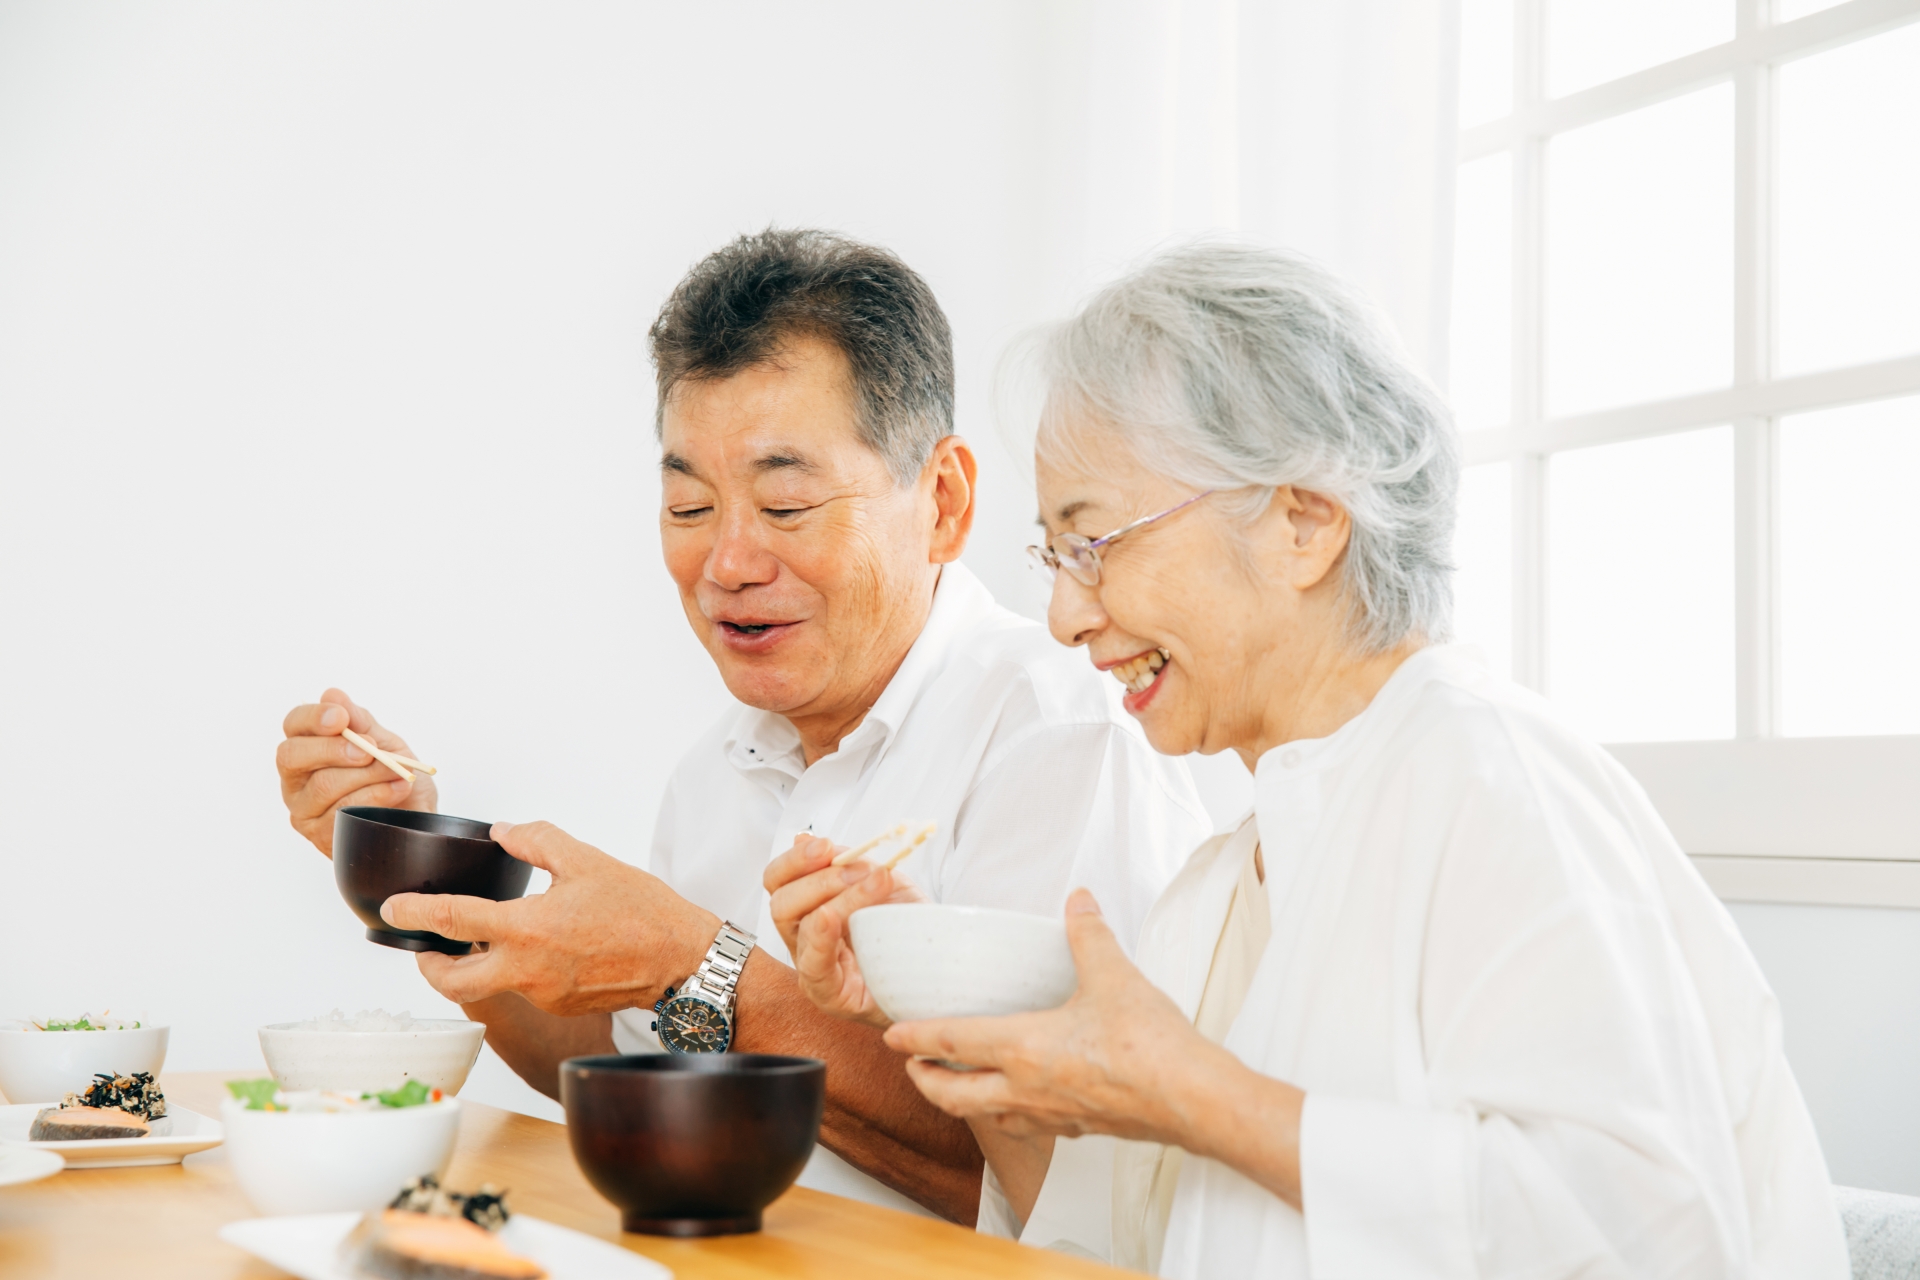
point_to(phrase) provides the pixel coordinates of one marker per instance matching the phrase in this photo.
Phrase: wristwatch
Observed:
(699, 1018)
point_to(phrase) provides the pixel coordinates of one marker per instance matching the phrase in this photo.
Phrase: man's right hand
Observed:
(812, 901)
(320, 771)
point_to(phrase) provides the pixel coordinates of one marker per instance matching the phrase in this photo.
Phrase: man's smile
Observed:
(754, 635)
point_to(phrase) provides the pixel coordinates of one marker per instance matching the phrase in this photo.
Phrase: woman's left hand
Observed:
(1119, 1057)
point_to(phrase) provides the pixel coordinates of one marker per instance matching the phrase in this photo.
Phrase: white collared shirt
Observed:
(1013, 744)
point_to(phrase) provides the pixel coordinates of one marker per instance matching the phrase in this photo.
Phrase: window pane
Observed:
(1591, 41)
(1640, 587)
(1850, 203)
(1849, 542)
(1483, 560)
(1482, 336)
(1640, 255)
(1486, 60)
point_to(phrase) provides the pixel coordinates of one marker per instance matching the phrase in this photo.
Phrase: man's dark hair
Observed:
(740, 303)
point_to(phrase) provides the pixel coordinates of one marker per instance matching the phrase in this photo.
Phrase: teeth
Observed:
(1138, 673)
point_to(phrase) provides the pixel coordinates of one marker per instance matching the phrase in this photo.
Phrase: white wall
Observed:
(322, 361)
(1848, 979)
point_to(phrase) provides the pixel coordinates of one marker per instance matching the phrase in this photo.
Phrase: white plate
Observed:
(308, 1246)
(24, 1164)
(180, 1133)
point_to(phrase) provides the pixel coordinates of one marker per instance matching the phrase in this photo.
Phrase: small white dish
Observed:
(923, 960)
(438, 1052)
(45, 1066)
(308, 1246)
(331, 1161)
(27, 1164)
(178, 1133)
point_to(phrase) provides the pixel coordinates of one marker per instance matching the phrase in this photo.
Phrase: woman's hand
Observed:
(812, 901)
(1118, 1058)
(1101, 1063)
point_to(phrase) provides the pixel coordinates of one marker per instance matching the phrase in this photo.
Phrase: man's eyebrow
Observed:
(783, 461)
(671, 461)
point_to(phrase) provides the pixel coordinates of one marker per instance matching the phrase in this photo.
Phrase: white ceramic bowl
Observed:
(926, 961)
(333, 1161)
(44, 1066)
(439, 1054)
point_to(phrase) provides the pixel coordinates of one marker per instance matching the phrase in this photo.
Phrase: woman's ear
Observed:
(952, 470)
(1318, 528)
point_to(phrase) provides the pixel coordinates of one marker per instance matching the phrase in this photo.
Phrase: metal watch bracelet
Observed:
(719, 973)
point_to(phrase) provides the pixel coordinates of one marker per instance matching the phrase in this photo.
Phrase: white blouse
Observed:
(1531, 1039)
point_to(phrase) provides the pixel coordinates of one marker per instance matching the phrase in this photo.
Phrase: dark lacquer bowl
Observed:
(380, 852)
(692, 1144)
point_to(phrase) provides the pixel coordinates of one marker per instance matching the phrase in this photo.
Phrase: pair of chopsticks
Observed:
(399, 764)
(895, 833)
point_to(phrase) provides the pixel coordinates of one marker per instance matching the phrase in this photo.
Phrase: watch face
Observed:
(689, 1024)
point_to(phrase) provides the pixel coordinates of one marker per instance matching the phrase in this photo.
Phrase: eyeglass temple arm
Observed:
(1125, 529)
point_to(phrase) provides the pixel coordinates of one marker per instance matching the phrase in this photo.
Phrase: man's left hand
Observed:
(604, 936)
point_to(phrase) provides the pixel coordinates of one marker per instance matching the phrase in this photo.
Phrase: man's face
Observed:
(803, 568)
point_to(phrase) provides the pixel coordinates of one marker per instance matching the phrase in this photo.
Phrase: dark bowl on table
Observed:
(692, 1144)
(380, 852)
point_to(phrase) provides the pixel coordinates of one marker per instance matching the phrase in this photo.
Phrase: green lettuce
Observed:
(257, 1094)
(410, 1094)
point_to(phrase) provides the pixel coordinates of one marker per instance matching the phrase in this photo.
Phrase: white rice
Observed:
(368, 1020)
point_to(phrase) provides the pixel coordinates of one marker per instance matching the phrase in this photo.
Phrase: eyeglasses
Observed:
(1081, 556)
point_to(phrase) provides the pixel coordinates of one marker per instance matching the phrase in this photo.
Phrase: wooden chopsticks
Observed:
(892, 833)
(398, 763)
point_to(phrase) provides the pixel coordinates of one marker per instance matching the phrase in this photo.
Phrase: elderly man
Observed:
(814, 507)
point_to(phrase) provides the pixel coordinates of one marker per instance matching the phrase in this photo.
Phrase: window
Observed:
(1686, 363)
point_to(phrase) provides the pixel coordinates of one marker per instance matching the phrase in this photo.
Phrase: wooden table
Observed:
(160, 1222)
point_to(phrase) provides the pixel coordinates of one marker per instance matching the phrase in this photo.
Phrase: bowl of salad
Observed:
(308, 1151)
(44, 1059)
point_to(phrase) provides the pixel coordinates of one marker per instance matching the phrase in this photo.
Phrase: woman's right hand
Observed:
(812, 903)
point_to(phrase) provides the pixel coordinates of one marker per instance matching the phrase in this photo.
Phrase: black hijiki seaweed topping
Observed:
(486, 1207)
(136, 1093)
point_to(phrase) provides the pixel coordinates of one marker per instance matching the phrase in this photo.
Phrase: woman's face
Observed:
(1175, 593)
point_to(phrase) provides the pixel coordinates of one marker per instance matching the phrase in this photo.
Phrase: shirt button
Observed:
(1290, 759)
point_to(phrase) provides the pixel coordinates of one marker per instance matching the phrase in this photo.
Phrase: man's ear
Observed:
(950, 474)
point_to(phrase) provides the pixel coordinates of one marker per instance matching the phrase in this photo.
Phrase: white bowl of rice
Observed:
(371, 1051)
(923, 960)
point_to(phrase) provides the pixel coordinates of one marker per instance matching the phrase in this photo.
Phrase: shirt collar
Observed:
(1310, 754)
(766, 739)
(960, 601)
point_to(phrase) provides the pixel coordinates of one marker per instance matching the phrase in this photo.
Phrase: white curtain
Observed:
(1326, 126)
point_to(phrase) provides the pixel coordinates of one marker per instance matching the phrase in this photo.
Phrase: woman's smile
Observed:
(1142, 675)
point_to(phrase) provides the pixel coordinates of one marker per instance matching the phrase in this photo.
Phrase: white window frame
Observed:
(1766, 818)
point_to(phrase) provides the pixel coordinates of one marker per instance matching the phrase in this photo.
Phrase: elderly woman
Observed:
(1451, 1001)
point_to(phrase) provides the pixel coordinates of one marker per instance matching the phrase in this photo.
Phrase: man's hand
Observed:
(604, 936)
(321, 772)
(812, 901)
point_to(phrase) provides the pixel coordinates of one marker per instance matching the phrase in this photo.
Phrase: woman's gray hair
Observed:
(1232, 367)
